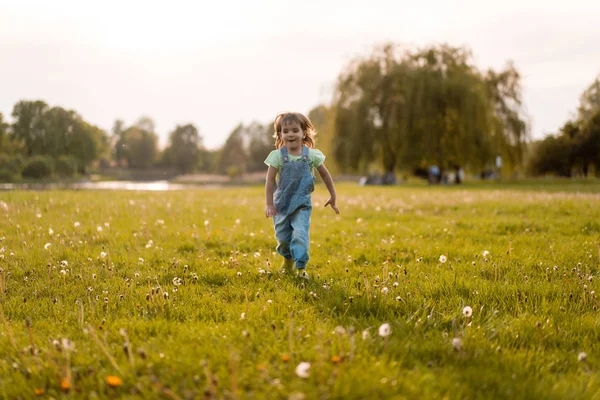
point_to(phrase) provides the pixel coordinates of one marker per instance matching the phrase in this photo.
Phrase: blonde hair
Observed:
(307, 128)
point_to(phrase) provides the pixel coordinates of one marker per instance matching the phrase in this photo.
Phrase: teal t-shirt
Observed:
(315, 158)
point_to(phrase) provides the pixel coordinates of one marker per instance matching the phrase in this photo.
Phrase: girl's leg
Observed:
(283, 234)
(300, 222)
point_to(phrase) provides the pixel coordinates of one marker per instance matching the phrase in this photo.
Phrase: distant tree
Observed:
(232, 157)
(29, 125)
(117, 140)
(260, 144)
(139, 147)
(551, 156)
(589, 101)
(323, 119)
(588, 143)
(424, 107)
(184, 148)
(509, 128)
(3, 132)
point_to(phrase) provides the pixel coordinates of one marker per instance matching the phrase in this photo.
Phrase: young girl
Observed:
(289, 199)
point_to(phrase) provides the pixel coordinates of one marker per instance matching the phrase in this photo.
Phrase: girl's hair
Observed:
(307, 128)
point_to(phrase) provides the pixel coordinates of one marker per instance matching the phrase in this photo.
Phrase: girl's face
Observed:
(292, 135)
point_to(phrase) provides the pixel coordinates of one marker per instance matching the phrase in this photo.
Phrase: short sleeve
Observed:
(274, 159)
(316, 158)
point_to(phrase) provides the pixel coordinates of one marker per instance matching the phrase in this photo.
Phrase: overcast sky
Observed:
(221, 62)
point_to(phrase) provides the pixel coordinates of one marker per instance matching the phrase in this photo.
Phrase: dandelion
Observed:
(384, 290)
(365, 334)
(256, 254)
(270, 301)
(457, 344)
(285, 358)
(395, 284)
(47, 246)
(38, 391)
(303, 370)
(485, 254)
(114, 381)
(336, 359)
(102, 254)
(582, 356)
(76, 224)
(50, 231)
(467, 311)
(64, 263)
(239, 273)
(177, 281)
(340, 330)
(99, 228)
(443, 258)
(39, 215)
(385, 330)
(243, 315)
(206, 222)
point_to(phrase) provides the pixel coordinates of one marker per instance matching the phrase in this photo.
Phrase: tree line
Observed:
(396, 109)
(44, 141)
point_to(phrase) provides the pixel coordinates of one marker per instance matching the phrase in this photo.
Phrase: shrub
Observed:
(66, 166)
(38, 167)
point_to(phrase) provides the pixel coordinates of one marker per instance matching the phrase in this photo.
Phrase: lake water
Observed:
(108, 185)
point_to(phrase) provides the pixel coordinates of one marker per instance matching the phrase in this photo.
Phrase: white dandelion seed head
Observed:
(50, 231)
(99, 228)
(103, 254)
(457, 343)
(303, 370)
(485, 254)
(385, 330)
(443, 258)
(340, 330)
(582, 356)
(76, 224)
(365, 334)
(64, 263)
(47, 246)
(467, 311)
(177, 281)
(384, 290)
(243, 315)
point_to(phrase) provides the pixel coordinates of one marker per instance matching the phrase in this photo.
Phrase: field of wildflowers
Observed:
(415, 292)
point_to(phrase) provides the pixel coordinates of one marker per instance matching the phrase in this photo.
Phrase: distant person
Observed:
(289, 196)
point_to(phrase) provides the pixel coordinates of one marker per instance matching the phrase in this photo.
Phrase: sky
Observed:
(219, 63)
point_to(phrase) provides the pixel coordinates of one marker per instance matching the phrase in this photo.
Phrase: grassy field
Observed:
(416, 292)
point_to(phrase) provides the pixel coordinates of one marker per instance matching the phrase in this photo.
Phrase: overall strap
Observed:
(305, 153)
(284, 154)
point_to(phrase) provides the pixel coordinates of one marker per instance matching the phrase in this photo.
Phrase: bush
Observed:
(10, 163)
(38, 167)
(66, 166)
(7, 176)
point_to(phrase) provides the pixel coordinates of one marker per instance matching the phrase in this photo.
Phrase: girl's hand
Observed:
(270, 211)
(331, 202)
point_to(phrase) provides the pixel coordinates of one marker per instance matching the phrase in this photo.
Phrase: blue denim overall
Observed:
(292, 200)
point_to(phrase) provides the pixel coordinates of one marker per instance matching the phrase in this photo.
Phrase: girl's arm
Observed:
(269, 185)
(328, 180)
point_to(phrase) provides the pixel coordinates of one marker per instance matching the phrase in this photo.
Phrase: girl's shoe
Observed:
(302, 274)
(287, 265)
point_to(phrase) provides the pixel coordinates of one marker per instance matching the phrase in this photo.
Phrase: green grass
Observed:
(533, 298)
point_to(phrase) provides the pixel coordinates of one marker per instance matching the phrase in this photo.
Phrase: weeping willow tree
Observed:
(431, 106)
